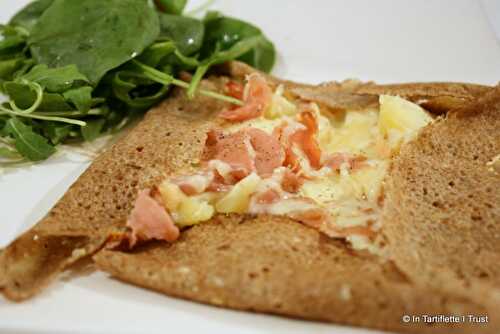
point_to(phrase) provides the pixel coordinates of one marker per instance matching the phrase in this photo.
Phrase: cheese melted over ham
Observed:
(287, 159)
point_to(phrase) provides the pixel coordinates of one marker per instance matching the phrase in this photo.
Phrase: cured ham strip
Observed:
(245, 151)
(150, 220)
(306, 139)
(268, 152)
(301, 136)
(257, 98)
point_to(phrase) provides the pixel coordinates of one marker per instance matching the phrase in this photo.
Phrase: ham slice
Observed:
(257, 98)
(268, 152)
(150, 220)
(302, 137)
(246, 151)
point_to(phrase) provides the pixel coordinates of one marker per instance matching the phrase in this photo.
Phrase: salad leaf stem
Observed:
(167, 79)
(39, 98)
(218, 57)
(74, 71)
(75, 113)
(40, 116)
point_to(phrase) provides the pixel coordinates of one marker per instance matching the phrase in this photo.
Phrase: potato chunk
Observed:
(238, 198)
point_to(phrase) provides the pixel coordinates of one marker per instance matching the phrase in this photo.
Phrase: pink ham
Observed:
(150, 220)
(257, 98)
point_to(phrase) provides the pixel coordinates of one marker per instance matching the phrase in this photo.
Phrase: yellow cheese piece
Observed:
(172, 195)
(400, 119)
(238, 198)
(192, 211)
(185, 210)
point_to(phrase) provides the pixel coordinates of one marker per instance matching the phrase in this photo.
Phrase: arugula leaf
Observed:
(25, 66)
(74, 69)
(128, 90)
(94, 35)
(55, 80)
(93, 129)
(12, 45)
(227, 39)
(28, 16)
(242, 47)
(81, 98)
(262, 57)
(156, 53)
(135, 96)
(24, 98)
(28, 143)
(175, 7)
(187, 33)
(8, 67)
(57, 132)
(225, 32)
(186, 62)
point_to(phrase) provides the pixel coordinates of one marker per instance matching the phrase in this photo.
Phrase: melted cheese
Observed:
(350, 195)
(356, 134)
(280, 106)
(238, 198)
(185, 210)
(400, 119)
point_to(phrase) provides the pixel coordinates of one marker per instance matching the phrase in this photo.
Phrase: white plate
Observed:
(320, 40)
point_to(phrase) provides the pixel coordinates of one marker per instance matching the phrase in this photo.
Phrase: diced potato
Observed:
(238, 198)
(193, 210)
(280, 106)
(185, 210)
(172, 195)
(401, 115)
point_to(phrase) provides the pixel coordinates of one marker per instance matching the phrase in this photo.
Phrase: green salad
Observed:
(75, 70)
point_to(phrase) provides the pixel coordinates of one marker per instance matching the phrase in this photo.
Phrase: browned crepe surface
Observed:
(442, 211)
(263, 264)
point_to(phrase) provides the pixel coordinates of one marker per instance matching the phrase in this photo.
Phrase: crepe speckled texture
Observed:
(170, 138)
(269, 264)
(442, 211)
